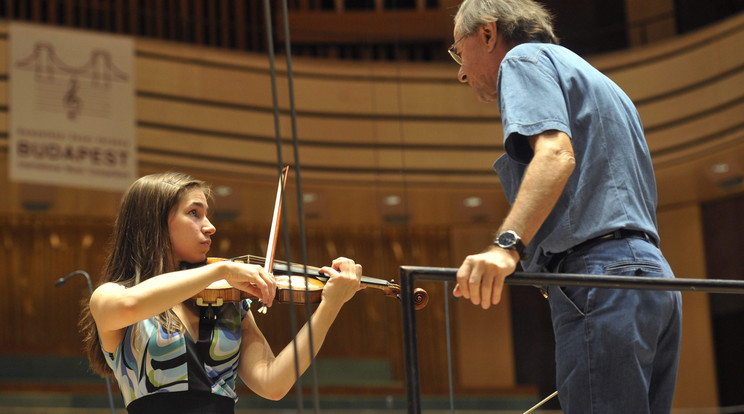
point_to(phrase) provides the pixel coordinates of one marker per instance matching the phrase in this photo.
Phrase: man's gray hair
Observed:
(519, 21)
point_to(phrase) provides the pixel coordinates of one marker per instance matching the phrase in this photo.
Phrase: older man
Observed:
(578, 174)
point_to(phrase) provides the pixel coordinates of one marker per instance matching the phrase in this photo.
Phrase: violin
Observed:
(292, 286)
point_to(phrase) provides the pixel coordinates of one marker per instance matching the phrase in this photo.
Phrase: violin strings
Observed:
(366, 280)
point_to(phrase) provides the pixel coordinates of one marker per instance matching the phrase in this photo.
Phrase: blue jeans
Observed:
(617, 350)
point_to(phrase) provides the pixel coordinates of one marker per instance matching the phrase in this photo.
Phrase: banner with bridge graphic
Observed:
(72, 108)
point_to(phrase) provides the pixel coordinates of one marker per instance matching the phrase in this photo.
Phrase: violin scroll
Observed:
(420, 298)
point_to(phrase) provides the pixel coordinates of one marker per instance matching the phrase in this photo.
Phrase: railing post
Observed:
(409, 342)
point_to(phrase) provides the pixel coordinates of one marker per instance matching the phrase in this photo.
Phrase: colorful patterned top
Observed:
(149, 361)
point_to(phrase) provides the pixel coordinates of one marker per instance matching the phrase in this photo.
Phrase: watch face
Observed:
(507, 239)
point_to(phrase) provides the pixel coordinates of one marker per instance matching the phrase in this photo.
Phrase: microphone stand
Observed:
(61, 281)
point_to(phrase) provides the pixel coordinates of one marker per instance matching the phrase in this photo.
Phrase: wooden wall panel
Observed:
(36, 251)
(682, 241)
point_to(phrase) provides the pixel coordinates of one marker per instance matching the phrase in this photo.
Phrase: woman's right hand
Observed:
(250, 278)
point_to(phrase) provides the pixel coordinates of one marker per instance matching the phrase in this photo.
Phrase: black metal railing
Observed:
(410, 274)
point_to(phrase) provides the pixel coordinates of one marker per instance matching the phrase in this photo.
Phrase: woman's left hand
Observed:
(344, 282)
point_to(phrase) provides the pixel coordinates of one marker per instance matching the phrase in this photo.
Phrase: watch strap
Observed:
(515, 243)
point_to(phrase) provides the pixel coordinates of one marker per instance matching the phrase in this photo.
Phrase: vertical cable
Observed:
(406, 212)
(401, 133)
(300, 201)
(399, 96)
(280, 163)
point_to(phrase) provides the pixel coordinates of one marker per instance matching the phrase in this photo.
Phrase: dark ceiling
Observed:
(597, 26)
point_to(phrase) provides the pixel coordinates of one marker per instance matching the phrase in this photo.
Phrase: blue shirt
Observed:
(545, 87)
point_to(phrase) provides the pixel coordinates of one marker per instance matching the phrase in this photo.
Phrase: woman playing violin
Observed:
(166, 353)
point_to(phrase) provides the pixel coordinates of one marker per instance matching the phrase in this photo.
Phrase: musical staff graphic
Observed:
(72, 90)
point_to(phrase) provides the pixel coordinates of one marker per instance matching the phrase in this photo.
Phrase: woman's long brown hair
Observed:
(139, 247)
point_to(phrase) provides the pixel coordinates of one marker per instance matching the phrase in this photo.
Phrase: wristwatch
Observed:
(510, 240)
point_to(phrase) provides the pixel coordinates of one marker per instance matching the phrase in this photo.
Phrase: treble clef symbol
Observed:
(72, 101)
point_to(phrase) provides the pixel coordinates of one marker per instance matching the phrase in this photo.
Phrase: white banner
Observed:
(72, 108)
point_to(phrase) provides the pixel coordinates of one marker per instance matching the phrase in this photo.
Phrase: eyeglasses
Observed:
(457, 57)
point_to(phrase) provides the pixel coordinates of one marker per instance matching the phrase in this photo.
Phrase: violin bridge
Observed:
(200, 302)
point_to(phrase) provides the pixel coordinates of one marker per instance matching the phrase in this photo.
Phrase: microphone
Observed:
(61, 281)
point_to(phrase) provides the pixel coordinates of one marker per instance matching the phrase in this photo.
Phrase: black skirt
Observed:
(182, 403)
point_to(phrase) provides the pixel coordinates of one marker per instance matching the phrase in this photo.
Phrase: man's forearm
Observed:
(542, 185)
